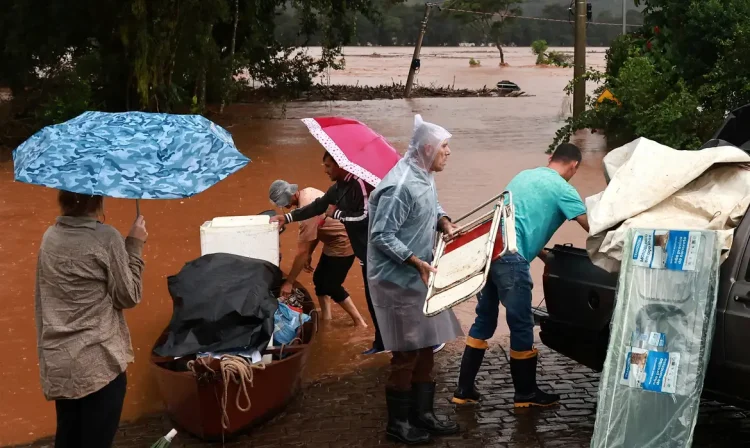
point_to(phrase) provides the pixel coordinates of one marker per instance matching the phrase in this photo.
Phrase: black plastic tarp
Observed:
(221, 302)
(736, 128)
(734, 131)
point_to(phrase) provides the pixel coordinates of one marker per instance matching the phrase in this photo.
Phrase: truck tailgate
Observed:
(580, 300)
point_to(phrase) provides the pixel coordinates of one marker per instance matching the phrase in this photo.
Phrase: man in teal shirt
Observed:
(543, 201)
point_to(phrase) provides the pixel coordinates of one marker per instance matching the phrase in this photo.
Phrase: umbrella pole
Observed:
(137, 208)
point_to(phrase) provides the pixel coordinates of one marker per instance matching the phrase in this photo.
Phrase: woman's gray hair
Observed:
(281, 193)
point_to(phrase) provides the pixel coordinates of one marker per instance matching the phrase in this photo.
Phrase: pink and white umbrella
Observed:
(355, 147)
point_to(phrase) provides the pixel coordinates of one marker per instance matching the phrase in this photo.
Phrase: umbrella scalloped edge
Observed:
(337, 154)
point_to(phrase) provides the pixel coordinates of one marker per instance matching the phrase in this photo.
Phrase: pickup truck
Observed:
(580, 301)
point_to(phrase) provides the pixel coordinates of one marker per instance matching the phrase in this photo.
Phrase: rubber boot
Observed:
(523, 372)
(399, 428)
(470, 364)
(423, 411)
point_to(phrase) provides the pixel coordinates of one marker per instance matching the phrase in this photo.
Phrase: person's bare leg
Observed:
(325, 307)
(351, 309)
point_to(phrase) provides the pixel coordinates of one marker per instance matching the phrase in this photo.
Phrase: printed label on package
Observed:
(675, 250)
(651, 370)
(657, 339)
(653, 338)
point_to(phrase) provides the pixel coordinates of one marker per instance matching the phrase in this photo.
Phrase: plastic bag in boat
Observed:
(286, 323)
(221, 302)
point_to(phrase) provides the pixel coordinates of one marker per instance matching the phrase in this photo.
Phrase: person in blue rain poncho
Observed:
(405, 215)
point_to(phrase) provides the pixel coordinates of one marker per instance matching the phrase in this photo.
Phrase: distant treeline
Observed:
(398, 25)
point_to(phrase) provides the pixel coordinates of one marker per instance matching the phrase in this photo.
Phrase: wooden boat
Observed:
(194, 402)
(463, 263)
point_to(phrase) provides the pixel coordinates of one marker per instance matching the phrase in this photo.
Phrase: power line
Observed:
(543, 19)
(513, 16)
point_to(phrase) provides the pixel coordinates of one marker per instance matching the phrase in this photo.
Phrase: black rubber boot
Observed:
(470, 364)
(399, 428)
(423, 411)
(527, 393)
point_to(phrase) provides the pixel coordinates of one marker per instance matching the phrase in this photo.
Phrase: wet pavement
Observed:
(349, 411)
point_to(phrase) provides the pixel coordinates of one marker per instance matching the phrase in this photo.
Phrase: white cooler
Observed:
(248, 236)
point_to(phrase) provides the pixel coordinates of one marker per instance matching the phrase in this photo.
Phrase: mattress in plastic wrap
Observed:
(660, 340)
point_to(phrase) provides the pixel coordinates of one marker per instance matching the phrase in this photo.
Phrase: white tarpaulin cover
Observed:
(654, 186)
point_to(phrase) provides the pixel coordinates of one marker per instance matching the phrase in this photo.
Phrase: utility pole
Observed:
(579, 59)
(624, 18)
(417, 48)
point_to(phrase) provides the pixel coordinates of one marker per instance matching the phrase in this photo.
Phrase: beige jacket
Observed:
(87, 273)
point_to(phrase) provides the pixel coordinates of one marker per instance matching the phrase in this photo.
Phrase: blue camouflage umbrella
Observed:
(133, 155)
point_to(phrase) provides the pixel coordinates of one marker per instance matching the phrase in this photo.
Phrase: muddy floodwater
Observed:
(493, 139)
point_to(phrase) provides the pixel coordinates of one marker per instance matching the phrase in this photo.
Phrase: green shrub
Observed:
(675, 78)
(539, 47)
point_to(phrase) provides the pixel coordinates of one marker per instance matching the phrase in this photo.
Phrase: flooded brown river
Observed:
(493, 139)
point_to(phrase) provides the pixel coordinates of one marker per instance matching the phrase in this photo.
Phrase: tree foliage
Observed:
(64, 56)
(676, 78)
(539, 47)
(489, 17)
(399, 24)
(544, 57)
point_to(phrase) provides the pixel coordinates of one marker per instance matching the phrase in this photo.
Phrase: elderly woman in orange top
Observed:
(87, 274)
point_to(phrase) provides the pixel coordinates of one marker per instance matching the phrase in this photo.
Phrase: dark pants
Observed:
(91, 421)
(329, 277)
(411, 367)
(378, 343)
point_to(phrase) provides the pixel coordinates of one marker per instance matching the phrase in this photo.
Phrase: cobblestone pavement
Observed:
(350, 412)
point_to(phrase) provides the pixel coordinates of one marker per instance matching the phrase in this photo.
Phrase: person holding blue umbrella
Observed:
(87, 272)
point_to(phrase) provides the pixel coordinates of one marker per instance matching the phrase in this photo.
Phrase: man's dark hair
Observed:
(79, 205)
(328, 155)
(567, 152)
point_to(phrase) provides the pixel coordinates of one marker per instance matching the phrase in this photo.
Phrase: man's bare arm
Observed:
(543, 255)
(583, 220)
(304, 250)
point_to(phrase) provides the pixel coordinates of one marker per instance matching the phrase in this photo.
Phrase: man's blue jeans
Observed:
(509, 283)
